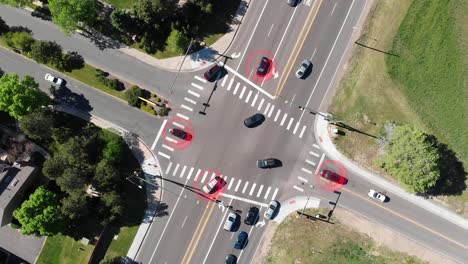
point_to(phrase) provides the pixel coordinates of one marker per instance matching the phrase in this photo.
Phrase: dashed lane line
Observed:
(190, 100)
(199, 87)
(164, 155)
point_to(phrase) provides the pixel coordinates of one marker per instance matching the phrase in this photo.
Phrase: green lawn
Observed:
(64, 249)
(124, 4)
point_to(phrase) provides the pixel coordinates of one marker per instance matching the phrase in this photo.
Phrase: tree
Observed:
(3, 26)
(20, 40)
(16, 3)
(53, 168)
(412, 158)
(46, 51)
(71, 180)
(114, 260)
(38, 125)
(113, 151)
(75, 206)
(132, 95)
(122, 21)
(107, 177)
(20, 97)
(69, 14)
(114, 205)
(177, 41)
(40, 214)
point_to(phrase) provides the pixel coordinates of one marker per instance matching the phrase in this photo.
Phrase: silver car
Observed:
(55, 80)
(230, 221)
(270, 212)
(304, 66)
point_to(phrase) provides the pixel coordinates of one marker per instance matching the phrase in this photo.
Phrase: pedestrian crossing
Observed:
(308, 168)
(233, 184)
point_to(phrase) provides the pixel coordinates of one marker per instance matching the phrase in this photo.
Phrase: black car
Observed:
(180, 133)
(264, 66)
(254, 120)
(292, 3)
(231, 259)
(241, 240)
(212, 73)
(252, 216)
(268, 163)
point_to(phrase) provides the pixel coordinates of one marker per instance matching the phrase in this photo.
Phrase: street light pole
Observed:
(180, 67)
(329, 117)
(308, 198)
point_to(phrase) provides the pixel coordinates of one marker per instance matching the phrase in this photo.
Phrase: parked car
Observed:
(213, 73)
(305, 65)
(55, 80)
(231, 259)
(292, 3)
(180, 133)
(254, 120)
(268, 163)
(252, 216)
(241, 240)
(377, 195)
(334, 177)
(264, 66)
(213, 185)
(270, 212)
(230, 221)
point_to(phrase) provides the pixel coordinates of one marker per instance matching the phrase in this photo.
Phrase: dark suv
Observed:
(252, 216)
(212, 73)
(254, 120)
(264, 66)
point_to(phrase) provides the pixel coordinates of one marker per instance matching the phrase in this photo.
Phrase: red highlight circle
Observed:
(338, 175)
(180, 143)
(198, 186)
(252, 63)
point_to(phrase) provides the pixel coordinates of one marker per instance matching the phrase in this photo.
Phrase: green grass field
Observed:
(64, 249)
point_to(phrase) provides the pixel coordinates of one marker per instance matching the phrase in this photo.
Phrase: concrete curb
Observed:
(294, 204)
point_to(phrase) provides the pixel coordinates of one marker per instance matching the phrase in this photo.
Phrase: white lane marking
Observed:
(314, 154)
(308, 2)
(249, 82)
(259, 190)
(183, 171)
(274, 194)
(230, 84)
(183, 223)
(164, 155)
(254, 100)
(176, 169)
(333, 10)
(277, 114)
(253, 188)
(285, 31)
(271, 110)
(306, 170)
(238, 184)
(298, 188)
(186, 107)
(248, 96)
(245, 187)
(302, 179)
(320, 163)
(302, 131)
(190, 173)
(284, 119)
(311, 57)
(295, 128)
(204, 176)
(230, 183)
(316, 146)
(159, 134)
(171, 140)
(270, 29)
(267, 108)
(197, 176)
(261, 103)
(190, 100)
(182, 116)
(167, 147)
(168, 167)
(235, 89)
(212, 175)
(178, 125)
(243, 199)
(290, 123)
(267, 192)
(310, 162)
(224, 81)
(199, 87)
(242, 93)
(203, 80)
(193, 93)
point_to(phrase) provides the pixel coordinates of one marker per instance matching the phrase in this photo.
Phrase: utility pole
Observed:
(180, 67)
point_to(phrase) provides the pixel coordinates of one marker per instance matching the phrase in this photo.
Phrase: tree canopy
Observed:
(38, 125)
(16, 3)
(68, 14)
(413, 158)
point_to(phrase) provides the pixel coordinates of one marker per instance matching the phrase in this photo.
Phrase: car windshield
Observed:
(272, 207)
(55, 79)
(304, 65)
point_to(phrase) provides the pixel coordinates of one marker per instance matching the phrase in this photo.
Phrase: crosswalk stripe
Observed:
(267, 192)
(171, 140)
(274, 194)
(271, 110)
(230, 183)
(277, 114)
(242, 93)
(302, 131)
(290, 123)
(203, 80)
(169, 167)
(253, 188)
(314, 154)
(316, 146)
(190, 100)
(204, 176)
(284, 119)
(302, 179)
(248, 96)
(261, 103)
(254, 100)
(224, 80)
(199, 87)
(298, 188)
(230, 84)
(238, 184)
(167, 147)
(197, 175)
(267, 108)
(245, 187)
(183, 171)
(260, 190)
(235, 89)
(182, 116)
(212, 175)
(193, 93)
(295, 128)
(306, 170)
(178, 125)
(190, 173)
(186, 107)
(176, 169)
(310, 162)
(164, 155)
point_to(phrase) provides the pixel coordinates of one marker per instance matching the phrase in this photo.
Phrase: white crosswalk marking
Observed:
(302, 179)
(298, 188)
(254, 100)
(316, 146)
(182, 116)
(295, 128)
(171, 140)
(245, 187)
(242, 93)
(248, 96)
(186, 107)
(224, 80)
(199, 87)
(204, 176)
(238, 184)
(176, 169)
(267, 108)
(164, 155)
(237, 87)
(274, 194)
(261, 103)
(197, 176)
(167, 147)
(212, 175)
(310, 162)
(290, 122)
(169, 167)
(271, 110)
(190, 100)
(190, 173)
(277, 114)
(193, 93)
(314, 154)
(267, 192)
(203, 80)
(284, 119)
(230, 183)
(306, 170)
(230, 84)
(183, 171)
(302, 131)
(260, 190)
(253, 188)
(178, 125)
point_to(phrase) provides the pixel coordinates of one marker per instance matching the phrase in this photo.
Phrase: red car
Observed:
(331, 176)
(212, 73)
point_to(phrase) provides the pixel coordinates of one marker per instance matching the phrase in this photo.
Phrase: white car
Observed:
(270, 212)
(230, 222)
(304, 66)
(377, 196)
(213, 185)
(55, 80)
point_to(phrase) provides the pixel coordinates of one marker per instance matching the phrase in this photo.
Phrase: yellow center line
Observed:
(407, 219)
(296, 50)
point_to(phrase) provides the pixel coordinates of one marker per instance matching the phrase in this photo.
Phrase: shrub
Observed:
(19, 40)
(71, 61)
(47, 51)
(14, 226)
(147, 108)
(132, 95)
(116, 84)
(100, 72)
(177, 41)
(163, 111)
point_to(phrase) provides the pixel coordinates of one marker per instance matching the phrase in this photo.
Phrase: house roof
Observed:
(11, 181)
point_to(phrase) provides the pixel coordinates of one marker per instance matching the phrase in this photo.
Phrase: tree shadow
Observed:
(64, 95)
(100, 40)
(352, 129)
(206, 54)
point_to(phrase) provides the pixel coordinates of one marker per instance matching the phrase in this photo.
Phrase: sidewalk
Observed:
(322, 134)
(295, 204)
